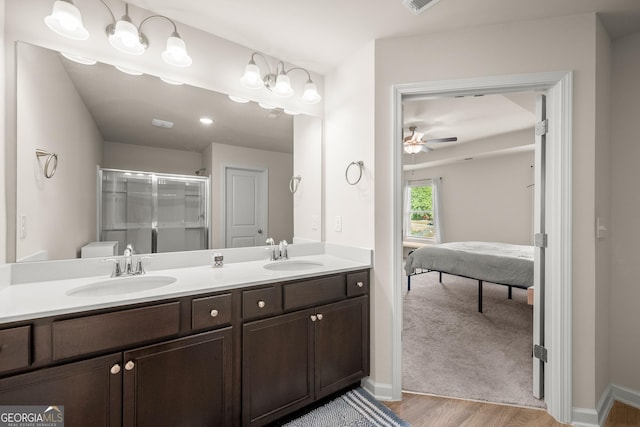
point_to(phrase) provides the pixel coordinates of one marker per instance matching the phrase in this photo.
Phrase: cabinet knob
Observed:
(129, 365)
(214, 313)
(360, 284)
(320, 316)
(261, 304)
(314, 317)
(115, 369)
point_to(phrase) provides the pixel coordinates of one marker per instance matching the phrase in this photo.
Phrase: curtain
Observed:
(436, 185)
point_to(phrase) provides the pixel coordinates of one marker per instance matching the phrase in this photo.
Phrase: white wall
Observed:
(150, 159)
(307, 163)
(3, 194)
(348, 137)
(279, 170)
(486, 199)
(602, 183)
(625, 211)
(60, 123)
(565, 43)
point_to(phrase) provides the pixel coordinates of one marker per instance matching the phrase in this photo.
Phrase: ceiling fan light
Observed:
(413, 148)
(283, 87)
(125, 37)
(176, 52)
(310, 93)
(65, 20)
(252, 78)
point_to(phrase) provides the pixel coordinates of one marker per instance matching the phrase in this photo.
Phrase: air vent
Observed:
(419, 6)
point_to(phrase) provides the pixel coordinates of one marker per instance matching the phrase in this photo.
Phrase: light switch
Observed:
(338, 223)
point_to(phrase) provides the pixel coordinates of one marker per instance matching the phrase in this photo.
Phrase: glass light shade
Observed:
(79, 59)
(176, 52)
(129, 71)
(266, 106)
(413, 148)
(252, 78)
(126, 38)
(283, 87)
(310, 93)
(65, 20)
(239, 99)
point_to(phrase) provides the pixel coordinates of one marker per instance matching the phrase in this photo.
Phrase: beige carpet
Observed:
(450, 349)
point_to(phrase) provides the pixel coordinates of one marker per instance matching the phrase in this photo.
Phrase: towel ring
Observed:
(49, 168)
(360, 165)
(294, 182)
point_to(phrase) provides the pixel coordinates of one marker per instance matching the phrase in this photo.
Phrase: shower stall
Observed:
(155, 212)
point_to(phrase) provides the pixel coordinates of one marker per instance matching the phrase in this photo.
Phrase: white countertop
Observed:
(36, 299)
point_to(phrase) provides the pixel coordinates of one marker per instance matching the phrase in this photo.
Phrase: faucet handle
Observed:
(270, 241)
(139, 266)
(128, 251)
(116, 267)
(283, 249)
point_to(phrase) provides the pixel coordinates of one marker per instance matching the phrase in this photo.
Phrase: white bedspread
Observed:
(493, 262)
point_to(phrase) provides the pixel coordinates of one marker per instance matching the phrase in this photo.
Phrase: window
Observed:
(419, 213)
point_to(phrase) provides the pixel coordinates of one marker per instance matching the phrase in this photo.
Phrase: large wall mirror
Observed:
(97, 116)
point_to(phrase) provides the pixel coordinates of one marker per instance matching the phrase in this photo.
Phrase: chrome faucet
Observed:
(128, 253)
(282, 248)
(272, 249)
(129, 269)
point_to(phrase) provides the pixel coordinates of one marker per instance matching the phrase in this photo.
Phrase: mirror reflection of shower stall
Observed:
(154, 212)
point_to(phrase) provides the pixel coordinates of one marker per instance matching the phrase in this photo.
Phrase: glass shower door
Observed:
(154, 212)
(127, 206)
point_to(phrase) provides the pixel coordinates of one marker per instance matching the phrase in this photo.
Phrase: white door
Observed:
(245, 207)
(539, 231)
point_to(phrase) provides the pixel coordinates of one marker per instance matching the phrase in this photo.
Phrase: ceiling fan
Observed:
(414, 143)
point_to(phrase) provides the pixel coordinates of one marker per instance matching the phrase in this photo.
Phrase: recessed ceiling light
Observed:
(162, 123)
(239, 99)
(206, 120)
(79, 59)
(128, 71)
(171, 81)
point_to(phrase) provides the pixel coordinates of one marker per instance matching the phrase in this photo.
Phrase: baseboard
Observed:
(626, 395)
(378, 390)
(585, 417)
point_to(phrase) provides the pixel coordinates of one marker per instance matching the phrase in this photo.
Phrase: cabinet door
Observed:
(90, 391)
(277, 366)
(184, 382)
(342, 345)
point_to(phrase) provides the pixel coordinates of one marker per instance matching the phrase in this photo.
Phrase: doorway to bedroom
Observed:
(469, 171)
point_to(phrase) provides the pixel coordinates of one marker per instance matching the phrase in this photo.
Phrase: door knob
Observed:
(261, 304)
(320, 316)
(129, 365)
(360, 284)
(259, 230)
(314, 317)
(214, 313)
(115, 369)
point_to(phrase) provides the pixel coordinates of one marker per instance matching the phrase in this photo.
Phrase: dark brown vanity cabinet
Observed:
(291, 360)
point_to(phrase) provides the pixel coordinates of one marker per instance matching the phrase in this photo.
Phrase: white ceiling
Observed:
(320, 34)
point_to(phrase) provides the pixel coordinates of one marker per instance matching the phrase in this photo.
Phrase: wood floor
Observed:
(431, 411)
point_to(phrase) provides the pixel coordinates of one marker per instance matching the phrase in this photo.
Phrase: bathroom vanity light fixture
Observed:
(79, 59)
(65, 20)
(122, 33)
(277, 81)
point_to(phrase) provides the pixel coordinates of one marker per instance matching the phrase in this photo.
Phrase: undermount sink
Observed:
(122, 285)
(292, 265)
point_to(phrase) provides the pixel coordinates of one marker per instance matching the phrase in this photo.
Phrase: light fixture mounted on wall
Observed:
(123, 35)
(278, 81)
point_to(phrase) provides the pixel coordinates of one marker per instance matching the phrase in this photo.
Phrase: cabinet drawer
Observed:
(210, 312)
(357, 283)
(259, 303)
(90, 334)
(15, 348)
(313, 292)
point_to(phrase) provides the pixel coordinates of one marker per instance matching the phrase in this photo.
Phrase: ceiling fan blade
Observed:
(449, 139)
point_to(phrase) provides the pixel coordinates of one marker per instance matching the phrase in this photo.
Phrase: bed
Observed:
(499, 263)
